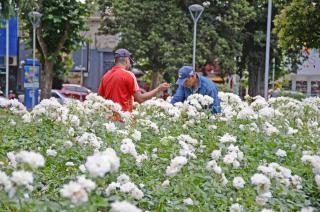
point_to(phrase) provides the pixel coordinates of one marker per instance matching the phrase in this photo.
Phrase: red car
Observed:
(75, 91)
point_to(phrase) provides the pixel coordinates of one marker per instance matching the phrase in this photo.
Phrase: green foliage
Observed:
(9, 8)
(61, 26)
(293, 94)
(160, 33)
(298, 25)
(193, 181)
(224, 88)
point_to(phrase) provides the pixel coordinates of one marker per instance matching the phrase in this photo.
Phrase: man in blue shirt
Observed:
(191, 83)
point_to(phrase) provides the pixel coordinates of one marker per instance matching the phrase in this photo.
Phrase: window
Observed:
(301, 86)
(71, 88)
(55, 95)
(81, 89)
(315, 88)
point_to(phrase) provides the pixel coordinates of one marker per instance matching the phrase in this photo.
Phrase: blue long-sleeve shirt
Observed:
(205, 87)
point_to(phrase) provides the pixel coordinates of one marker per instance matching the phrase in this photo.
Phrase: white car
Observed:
(62, 99)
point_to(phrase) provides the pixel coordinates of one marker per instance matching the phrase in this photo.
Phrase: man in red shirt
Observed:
(120, 85)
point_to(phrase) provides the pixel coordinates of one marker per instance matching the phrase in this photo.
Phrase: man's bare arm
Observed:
(141, 97)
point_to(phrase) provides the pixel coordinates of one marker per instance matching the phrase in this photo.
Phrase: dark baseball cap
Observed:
(123, 53)
(184, 73)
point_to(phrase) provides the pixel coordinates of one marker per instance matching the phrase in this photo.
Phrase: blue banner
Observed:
(31, 97)
(13, 37)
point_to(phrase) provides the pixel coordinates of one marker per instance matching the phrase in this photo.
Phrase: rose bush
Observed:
(257, 155)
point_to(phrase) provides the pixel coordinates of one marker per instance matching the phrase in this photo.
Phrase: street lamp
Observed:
(195, 11)
(266, 73)
(35, 20)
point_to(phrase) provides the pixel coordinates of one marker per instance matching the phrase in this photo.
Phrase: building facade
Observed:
(95, 58)
(307, 78)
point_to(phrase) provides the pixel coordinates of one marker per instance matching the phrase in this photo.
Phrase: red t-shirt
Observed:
(119, 85)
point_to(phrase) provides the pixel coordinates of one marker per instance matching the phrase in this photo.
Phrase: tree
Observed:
(298, 25)
(252, 59)
(8, 8)
(159, 33)
(58, 33)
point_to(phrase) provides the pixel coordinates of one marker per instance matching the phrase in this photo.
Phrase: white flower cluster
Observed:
(236, 208)
(33, 159)
(227, 138)
(150, 125)
(176, 165)
(110, 127)
(292, 131)
(199, 101)
(126, 186)
(91, 139)
(188, 201)
(13, 105)
(263, 185)
(18, 178)
(78, 190)
(238, 182)
(161, 107)
(50, 108)
(269, 129)
(102, 162)
(314, 160)
(230, 100)
(252, 127)
(187, 146)
(247, 114)
(194, 106)
(281, 174)
(269, 113)
(212, 166)
(308, 209)
(123, 207)
(95, 103)
(128, 147)
(136, 135)
(258, 103)
(281, 153)
(165, 183)
(51, 152)
(233, 156)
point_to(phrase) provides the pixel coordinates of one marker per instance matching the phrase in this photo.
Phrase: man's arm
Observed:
(100, 90)
(141, 97)
(179, 96)
(216, 108)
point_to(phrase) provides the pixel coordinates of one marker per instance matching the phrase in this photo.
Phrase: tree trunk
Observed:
(155, 77)
(256, 73)
(46, 79)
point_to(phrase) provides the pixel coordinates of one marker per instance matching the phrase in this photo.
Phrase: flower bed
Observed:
(257, 155)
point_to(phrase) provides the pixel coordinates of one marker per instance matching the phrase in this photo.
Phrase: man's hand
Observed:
(139, 97)
(163, 87)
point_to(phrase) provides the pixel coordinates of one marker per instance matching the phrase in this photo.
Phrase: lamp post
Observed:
(266, 76)
(195, 11)
(7, 58)
(35, 20)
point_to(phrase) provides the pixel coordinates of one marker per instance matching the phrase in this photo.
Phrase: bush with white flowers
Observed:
(257, 155)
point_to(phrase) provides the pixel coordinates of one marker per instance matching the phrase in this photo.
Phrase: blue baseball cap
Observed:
(123, 53)
(184, 73)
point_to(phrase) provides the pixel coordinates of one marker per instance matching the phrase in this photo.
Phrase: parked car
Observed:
(75, 91)
(62, 99)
